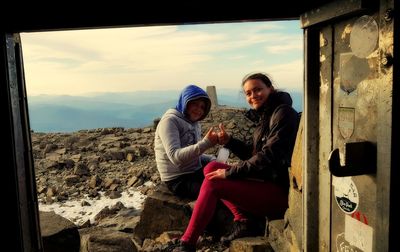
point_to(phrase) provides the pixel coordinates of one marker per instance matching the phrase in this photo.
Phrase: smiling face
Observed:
(195, 109)
(256, 92)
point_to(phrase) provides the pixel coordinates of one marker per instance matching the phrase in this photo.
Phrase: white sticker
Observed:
(358, 234)
(346, 194)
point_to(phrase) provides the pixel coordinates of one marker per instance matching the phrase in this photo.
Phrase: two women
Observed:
(258, 185)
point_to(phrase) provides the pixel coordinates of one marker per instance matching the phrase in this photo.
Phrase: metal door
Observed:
(354, 126)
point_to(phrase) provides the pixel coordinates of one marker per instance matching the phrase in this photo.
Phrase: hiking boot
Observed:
(181, 246)
(241, 229)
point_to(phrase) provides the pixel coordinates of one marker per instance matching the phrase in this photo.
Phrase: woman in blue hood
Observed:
(178, 146)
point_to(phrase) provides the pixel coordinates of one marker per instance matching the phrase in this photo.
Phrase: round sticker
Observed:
(364, 36)
(346, 194)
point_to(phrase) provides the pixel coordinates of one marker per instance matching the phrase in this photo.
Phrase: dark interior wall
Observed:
(74, 15)
(8, 185)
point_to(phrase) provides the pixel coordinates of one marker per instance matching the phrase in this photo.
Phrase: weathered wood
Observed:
(296, 169)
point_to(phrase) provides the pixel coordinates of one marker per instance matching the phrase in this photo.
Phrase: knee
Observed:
(212, 166)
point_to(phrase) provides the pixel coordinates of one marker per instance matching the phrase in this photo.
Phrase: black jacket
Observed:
(269, 157)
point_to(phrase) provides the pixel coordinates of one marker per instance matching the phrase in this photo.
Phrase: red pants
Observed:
(256, 197)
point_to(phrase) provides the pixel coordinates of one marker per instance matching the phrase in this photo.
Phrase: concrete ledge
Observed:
(250, 244)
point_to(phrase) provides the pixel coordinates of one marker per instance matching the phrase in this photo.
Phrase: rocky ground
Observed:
(109, 161)
(71, 165)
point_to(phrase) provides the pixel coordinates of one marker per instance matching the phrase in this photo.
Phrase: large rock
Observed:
(162, 211)
(58, 233)
(106, 240)
(276, 236)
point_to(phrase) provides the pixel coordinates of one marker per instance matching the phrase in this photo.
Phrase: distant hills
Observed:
(63, 113)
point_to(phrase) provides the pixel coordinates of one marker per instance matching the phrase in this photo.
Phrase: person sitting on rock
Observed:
(258, 185)
(178, 146)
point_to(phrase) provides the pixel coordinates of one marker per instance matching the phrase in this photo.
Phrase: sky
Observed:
(82, 62)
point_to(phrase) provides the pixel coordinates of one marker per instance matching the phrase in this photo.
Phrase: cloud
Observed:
(288, 75)
(292, 46)
(125, 59)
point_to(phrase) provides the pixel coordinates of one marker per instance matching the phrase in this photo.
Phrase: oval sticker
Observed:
(346, 194)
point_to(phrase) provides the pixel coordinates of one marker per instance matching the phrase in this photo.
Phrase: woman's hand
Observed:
(217, 174)
(212, 136)
(223, 137)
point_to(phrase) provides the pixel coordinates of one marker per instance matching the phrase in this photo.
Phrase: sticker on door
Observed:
(346, 194)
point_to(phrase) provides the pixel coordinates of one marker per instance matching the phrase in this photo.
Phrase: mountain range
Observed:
(65, 113)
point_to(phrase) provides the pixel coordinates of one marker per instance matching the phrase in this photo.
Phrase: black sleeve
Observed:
(276, 150)
(242, 150)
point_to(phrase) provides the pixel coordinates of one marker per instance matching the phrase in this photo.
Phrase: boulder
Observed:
(58, 233)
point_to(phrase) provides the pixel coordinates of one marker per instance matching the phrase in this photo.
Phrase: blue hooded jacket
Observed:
(190, 93)
(178, 145)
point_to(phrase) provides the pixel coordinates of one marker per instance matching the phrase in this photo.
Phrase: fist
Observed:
(223, 136)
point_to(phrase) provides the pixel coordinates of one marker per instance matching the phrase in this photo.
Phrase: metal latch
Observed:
(360, 159)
